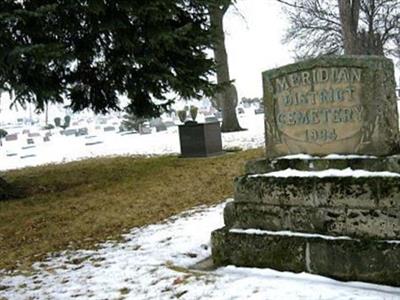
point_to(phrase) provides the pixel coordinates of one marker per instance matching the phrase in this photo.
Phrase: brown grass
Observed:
(79, 204)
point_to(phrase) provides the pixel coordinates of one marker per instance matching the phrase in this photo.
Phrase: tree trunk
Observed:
(371, 41)
(227, 98)
(349, 11)
(359, 42)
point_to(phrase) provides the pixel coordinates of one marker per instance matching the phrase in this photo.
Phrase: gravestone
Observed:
(200, 139)
(69, 132)
(326, 198)
(12, 137)
(82, 131)
(109, 128)
(33, 134)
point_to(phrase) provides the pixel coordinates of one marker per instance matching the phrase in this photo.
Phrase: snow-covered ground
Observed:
(69, 148)
(154, 263)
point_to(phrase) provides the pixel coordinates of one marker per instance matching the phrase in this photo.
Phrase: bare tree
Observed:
(343, 26)
(227, 98)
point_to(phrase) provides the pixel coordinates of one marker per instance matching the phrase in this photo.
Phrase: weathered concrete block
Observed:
(274, 218)
(247, 215)
(357, 223)
(346, 192)
(318, 220)
(373, 223)
(389, 193)
(268, 251)
(370, 261)
(275, 191)
(343, 259)
(362, 192)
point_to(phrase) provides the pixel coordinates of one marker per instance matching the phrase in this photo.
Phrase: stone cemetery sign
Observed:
(332, 216)
(330, 105)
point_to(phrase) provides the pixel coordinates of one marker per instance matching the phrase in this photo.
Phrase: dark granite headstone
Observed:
(200, 140)
(12, 137)
(109, 128)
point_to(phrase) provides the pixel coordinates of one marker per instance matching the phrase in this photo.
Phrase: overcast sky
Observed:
(253, 43)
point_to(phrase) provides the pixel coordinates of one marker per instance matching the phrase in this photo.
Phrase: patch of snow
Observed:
(289, 233)
(392, 241)
(330, 156)
(327, 173)
(61, 149)
(296, 156)
(348, 156)
(152, 262)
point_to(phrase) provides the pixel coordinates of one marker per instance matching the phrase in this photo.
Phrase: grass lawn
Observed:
(79, 204)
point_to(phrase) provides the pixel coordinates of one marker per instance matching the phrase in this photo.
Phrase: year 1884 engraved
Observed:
(321, 135)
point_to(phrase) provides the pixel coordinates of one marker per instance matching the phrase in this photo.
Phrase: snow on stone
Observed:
(296, 156)
(288, 233)
(152, 263)
(330, 156)
(327, 173)
(299, 234)
(348, 156)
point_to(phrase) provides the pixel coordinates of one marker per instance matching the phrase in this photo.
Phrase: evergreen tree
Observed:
(88, 53)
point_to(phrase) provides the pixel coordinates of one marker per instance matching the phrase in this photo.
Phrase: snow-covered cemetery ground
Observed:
(156, 261)
(103, 138)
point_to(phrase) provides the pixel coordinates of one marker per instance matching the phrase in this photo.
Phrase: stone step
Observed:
(369, 192)
(341, 258)
(361, 223)
(369, 163)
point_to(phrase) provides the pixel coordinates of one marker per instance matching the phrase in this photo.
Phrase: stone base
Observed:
(343, 219)
(369, 163)
(342, 258)
(364, 207)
